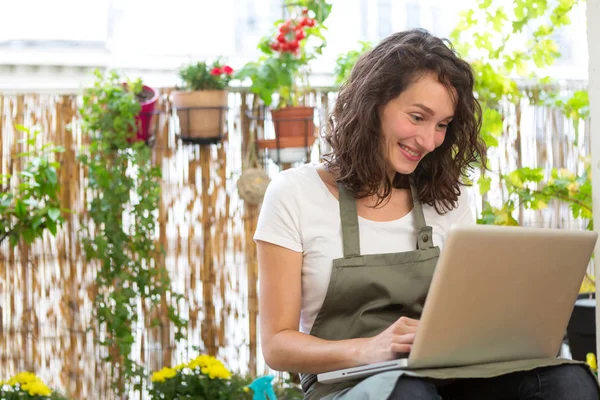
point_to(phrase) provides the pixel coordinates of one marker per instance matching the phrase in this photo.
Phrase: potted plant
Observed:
(281, 74)
(202, 102)
(147, 97)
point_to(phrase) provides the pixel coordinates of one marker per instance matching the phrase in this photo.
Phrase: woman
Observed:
(347, 249)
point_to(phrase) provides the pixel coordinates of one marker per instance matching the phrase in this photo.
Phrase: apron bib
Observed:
(367, 293)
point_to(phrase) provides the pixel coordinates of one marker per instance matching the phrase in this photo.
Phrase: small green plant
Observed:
(346, 61)
(26, 385)
(124, 195)
(284, 66)
(32, 206)
(204, 76)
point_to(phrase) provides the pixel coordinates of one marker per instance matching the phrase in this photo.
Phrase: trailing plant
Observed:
(124, 195)
(284, 66)
(29, 201)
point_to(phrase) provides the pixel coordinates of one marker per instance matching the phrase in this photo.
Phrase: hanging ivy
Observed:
(124, 194)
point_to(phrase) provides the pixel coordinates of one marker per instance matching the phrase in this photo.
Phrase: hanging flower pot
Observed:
(294, 121)
(147, 98)
(201, 105)
(201, 113)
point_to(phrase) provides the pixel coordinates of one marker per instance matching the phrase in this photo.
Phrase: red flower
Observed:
(227, 70)
(216, 71)
(293, 45)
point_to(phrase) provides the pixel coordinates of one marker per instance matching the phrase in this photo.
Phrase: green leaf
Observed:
(484, 183)
(28, 235)
(54, 213)
(20, 209)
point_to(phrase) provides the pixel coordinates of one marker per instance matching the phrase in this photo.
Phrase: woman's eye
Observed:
(416, 118)
(443, 126)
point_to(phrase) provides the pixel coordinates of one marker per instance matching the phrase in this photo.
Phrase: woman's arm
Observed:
(287, 349)
(284, 347)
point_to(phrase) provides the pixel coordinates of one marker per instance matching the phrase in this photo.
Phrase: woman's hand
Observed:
(396, 339)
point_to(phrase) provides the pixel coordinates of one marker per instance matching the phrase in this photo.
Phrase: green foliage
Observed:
(320, 9)
(498, 59)
(29, 202)
(284, 65)
(204, 76)
(345, 62)
(124, 195)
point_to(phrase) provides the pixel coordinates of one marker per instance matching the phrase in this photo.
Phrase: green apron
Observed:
(368, 293)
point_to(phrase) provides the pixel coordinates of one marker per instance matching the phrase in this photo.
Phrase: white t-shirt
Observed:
(301, 214)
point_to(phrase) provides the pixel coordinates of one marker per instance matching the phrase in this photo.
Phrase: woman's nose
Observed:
(427, 140)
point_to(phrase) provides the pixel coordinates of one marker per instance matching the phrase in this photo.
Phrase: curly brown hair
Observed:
(354, 128)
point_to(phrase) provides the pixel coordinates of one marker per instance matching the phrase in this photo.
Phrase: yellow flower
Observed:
(218, 371)
(163, 374)
(22, 378)
(30, 383)
(210, 366)
(36, 388)
(246, 389)
(180, 367)
(573, 187)
(202, 361)
(591, 361)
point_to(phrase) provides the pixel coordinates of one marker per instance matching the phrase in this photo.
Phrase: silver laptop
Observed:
(498, 294)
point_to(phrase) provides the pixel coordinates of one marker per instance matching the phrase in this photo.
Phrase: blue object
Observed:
(263, 388)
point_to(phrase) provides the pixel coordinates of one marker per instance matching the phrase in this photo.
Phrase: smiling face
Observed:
(415, 123)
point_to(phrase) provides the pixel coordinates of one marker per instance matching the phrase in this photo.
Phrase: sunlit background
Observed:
(48, 50)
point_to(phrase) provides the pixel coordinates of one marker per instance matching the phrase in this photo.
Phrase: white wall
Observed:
(593, 35)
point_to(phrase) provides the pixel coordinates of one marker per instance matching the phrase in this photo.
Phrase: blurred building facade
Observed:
(58, 43)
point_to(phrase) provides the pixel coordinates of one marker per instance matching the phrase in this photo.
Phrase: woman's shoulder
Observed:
(298, 178)
(462, 212)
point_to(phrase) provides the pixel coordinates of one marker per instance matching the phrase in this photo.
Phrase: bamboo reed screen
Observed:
(46, 289)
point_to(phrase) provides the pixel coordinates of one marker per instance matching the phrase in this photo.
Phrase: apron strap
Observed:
(307, 380)
(349, 218)
(424, 232)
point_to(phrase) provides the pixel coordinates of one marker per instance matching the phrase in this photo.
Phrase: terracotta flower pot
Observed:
(294, 121)
(201, 113)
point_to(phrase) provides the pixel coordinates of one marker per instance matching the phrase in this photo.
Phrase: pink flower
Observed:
(227, 70)
(216, 71)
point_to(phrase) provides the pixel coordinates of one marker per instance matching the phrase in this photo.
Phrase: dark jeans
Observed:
(562, 382)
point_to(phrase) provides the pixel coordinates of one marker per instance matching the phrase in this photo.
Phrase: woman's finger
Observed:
(409, 321)
(401, 348)
(404, 338)
(402, 329)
